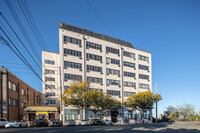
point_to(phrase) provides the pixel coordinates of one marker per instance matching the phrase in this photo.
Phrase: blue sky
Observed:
(170, 29)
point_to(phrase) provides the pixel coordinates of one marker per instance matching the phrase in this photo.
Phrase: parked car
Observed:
(107, 122)
(55, 122)
(71, 123)
(84, 123)
(3, 122)
(39, 123)
(97, 122)
(20, 123)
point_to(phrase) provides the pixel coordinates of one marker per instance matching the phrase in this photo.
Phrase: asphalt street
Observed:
(142, 128)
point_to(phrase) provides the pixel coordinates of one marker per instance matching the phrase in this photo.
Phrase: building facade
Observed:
(109, 64)
(15, 96)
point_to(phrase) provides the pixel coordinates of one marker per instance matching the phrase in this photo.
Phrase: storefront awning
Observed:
(40, 108)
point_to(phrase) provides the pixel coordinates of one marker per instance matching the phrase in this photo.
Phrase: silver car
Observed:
(3, 122)
(20, 123)
(84, 123)
(71, 123)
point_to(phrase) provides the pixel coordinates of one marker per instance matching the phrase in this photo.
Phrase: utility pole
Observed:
(156, 107)
(61, 111)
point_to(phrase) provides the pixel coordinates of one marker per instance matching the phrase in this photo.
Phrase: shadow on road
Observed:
(142, 128)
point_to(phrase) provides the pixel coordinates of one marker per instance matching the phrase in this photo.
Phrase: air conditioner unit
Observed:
(107, 73)
(101, 84)
(80, 57)
(118, 65)
(80, 46)
(65, 54)
(87, 59)
(65, 67)
(134, 68)
(119, 96)
(101, 61)
(88, 70)
(87, 47)
(101, 72)
(65, 42)
(101, 51)
(118, 75)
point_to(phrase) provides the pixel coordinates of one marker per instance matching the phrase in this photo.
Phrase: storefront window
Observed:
(72, 114)
(91, 115)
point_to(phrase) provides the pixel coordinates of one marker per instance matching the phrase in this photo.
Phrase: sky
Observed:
(170, 29)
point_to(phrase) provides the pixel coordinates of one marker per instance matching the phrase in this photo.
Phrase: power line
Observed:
(19, 40)
(100, 18)
(22, 58)
(21, 27)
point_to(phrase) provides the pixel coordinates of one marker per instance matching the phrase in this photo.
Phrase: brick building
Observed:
(15, 95)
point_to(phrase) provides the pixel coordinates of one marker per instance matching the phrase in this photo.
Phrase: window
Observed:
(49, 71)
(144, 58)
(14, 87)
(12, 102)
(47, 94)
(94, 68)
(129, 74)
(112, 71)
(23, 92)
(112, 61)
(72, 65)
(143, 86)
(10, 85)
(72, 77)
(72, 40)
(72, 52)
(131, 55)
(72, 114)
(141, 76)
(113, 93)
(128, 64)
(50, 101)
(93, 45)
(49, 79)
(49, 62)
(143, 67)
(129, 84)
(112, 50)
(94, 57)
(113, 82)
(49, 86)
(94, 80)
(127, 94)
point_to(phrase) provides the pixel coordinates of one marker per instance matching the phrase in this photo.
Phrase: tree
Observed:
(101, 102)
(77, 95)
(143, 101)
(187, 111)
(171, 113)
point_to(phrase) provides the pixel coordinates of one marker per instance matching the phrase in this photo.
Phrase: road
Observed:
(143, 128)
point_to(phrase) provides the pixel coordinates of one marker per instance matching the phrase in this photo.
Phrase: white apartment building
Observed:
(109, 64)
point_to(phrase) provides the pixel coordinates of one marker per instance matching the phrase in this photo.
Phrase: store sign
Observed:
(41, 113)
